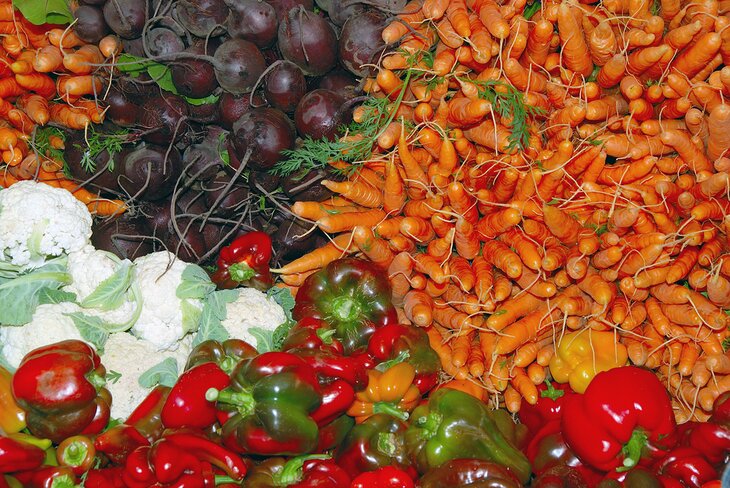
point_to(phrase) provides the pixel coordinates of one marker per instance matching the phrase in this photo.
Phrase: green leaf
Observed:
(49, 296)
(531, 9)
(264, 339)
(160, 73)
(195, 283)
(190, 316)
(284, 298)
(20, 296)
(112, 376)
(110, 293)
(93, 330)
(45, 11)
(214, 312)
(164, 373)
(223, 150)
(202, 101)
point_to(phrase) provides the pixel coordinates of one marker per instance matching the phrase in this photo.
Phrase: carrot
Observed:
(466, 112)
(512, 399)
(461, 348)
(428, 265)
(374, 248)
(503, 258)
(399, 273)
(110, 46)
(495, 223)
(484, 278)
(84, 60)
(538, 42)
(434, 9)
(339, 222)
(320, 257)
(519, 332)
(457, 14)
(691, 60)
(443, 351)
(574, 47)
(561, 225)
(418, 308)
(526, 249)
(524, 385)
(64, 38)
(70, 87)
(358, 191)
(512, 310)
(718, 290)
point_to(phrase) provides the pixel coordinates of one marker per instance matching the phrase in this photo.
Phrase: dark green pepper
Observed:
(476, 473)
(352, 296)
(455, 425)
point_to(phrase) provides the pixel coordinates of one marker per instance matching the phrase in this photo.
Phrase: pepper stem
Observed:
(325, 335)
(345, 309)
(64, 481)
(633, 449)
(222, 480)
(241, 272)
(385, 365)
(550, 391)
(390, 409)
(385, 443)
(242, 400)
(430, 423)
(75, 453)
(96, 379)
(293, 469)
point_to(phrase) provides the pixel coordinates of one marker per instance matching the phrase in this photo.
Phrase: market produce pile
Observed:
(434, 243)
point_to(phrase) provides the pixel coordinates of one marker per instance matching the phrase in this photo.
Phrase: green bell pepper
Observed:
(454, 425)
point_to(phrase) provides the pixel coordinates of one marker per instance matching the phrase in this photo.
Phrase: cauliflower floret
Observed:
(37, 221)
(252, 308)
(161, 319)
(129, 356)
(88, 267)
(48, 325)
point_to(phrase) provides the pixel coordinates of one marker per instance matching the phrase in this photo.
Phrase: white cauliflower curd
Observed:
(251, 309)
(38, 221)
(130, 357)
(161, 319)
(48, 325)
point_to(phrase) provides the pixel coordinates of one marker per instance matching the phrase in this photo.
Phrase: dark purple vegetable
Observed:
(165, 119)
(238, 66)
(253, 20)
(283, 7)
(202, 162)
(149, 172)
(222, 196)
(185, 239)
(262, 133)
(361, 42)
(264, 179)
(126, 236)
(202, 18)
(305, 184)
(284, 86)
(204, 113)
(319, 114)
(341, 10)
(90, 25)
(121, 110)
(307, 40)
(194, 78)
(126, 17)
(232, 107)
(339, 81)
(162, 41)
(293, 239)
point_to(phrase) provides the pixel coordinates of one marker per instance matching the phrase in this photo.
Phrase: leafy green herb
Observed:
(164, 373)
(49, 296)
(554, 201)
(98, 142)
(111, 292)
(500, 312)
(112, 376)
(41, 142)
(599, 229)
(194, 283)
(531, 9)
(21, 294)
(45, 11)
(594, 74)
(656, 6)
(509, 103)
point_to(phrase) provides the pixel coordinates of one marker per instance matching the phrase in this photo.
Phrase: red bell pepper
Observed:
(625, 414)
(687, 465)
(552, 397)
(334, 433)
(245, 262)
(312, 333)
(336, 399)
(59, 388)
(329, 366)
(226, 354)
(119, 441)
(76, 452)
(16, 455)
(101, 416)
(186, 405)
(721, 410)
(385, 477)
(48, 477)
(315, 471)
(146, 418)
(104, 478)
(712, 440)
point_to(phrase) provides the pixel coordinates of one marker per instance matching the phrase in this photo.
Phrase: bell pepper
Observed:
(352, 296)
(514, 432)
(467, 472)
(329, 366)
(76, 452)
(549, 405)
(16, 455)
(625, 414)
(453, 425)
(58, 387)
(146, 418)
(186, 405)
(272, 397)
(334, 433)
(391, 392)
(561, 476)
(117, 442)
(312, 333)
(104, 478)
(245, 262)
(712, 440)
(721, 410)
(337, 397)
(385, 477)
(48, 477)
(636, 477)
(687, 465)
(396, 341)
(316, 470)
(375, 443)
(582, 354)
(102, 415)
(12, 417)
(226, 354)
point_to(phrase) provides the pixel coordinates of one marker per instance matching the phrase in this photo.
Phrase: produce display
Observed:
(381, 244)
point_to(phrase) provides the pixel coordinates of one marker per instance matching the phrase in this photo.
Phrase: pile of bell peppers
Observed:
(350, 399)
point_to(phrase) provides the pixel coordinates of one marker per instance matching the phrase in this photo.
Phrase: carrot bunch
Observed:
(544, 175)
(48, 77)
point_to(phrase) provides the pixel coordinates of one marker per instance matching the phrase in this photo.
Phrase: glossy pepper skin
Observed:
(12, 417)
(16, 455)
(119, 441)
(560, 476)
(395, 341)
(352, 296)
(226, 354)
(721, 410)
(337, 396)
(373, 444)
(48, 477)
(712, 440)
(300, 472)
(272, 397)
(334, 433)
(580, 355)
(385, 477)
(59, 386)
(612, 426)
(547, 449)
(245, 262)
(104, 478)
(467, 472)
(77, 452)
(146, 418)
(311, 333)
(186, 405)
(636, 477)
(391, 391)
(454, 425)
(687, 465)
(552, 397)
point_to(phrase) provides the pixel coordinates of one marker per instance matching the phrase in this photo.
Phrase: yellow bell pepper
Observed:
(583, 354)
(12, 417)
(391, 392)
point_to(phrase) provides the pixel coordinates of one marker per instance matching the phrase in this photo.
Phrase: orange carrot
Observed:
(335, 249)
(575, 50)
(418, 307)
(374, 248)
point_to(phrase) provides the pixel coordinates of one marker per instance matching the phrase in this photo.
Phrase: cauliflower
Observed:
(161, 320)
(48, 325)
(130, 357)
(88, 268)
(252, 308)
(38, 221)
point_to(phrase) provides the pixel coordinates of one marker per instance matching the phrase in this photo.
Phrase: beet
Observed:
(264, 132)
(307, 40)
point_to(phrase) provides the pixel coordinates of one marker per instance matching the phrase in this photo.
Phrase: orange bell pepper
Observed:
(12, 417)
(391, 391)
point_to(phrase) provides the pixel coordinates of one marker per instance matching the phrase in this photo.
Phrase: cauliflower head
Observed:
(251, 309)
(38, 221)
(48, 325)
(130, 357)
(161, 318)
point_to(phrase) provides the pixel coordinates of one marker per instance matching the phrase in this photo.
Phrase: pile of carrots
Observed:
(48, 78)
(550, 168)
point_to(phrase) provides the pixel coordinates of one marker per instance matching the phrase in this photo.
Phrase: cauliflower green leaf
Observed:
(195, 283)
(111, 292)
(21, 294)
(164, 373)
(213, 314)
